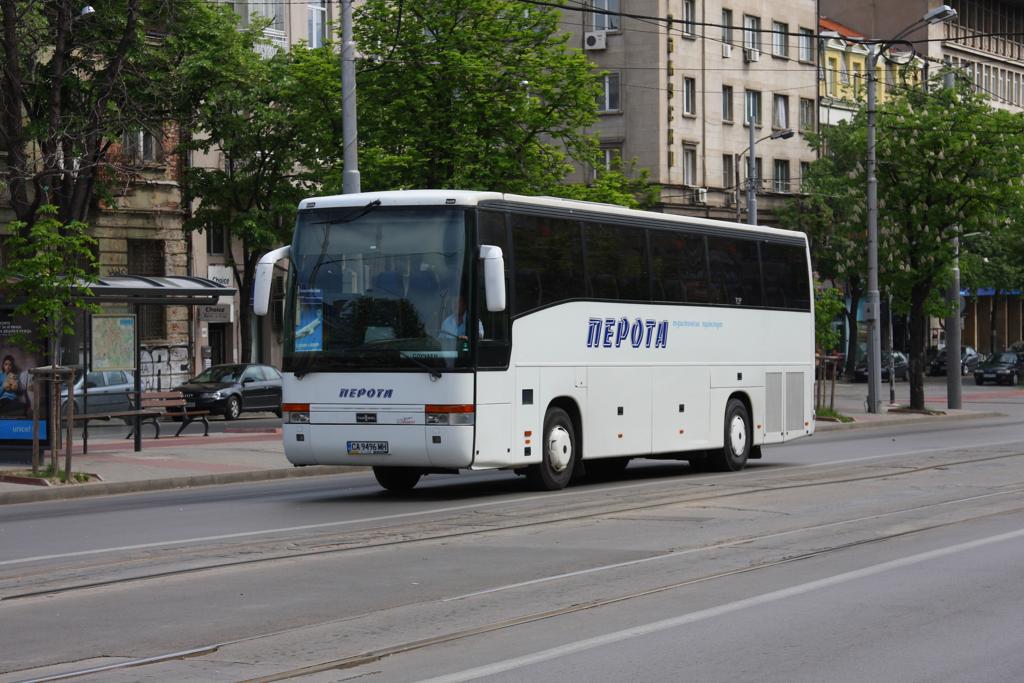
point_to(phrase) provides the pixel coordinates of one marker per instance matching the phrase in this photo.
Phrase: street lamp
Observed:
(752, 170)
(939, 14)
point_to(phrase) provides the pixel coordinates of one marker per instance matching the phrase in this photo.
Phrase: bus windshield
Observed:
(376, 287)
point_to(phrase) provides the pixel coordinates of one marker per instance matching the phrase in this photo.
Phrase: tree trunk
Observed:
(918, 347)
(993, 328)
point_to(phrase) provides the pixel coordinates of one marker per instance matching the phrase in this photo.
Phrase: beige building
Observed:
(677, 100)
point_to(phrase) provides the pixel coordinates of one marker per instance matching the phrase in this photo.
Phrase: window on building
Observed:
(142, 146)
(727, 26)
(727, 114)
(146, 257)
(271, 9)
(858, 78)
(690, 165)
(606, 15)
(215, 240)
(805, 171)
(752, 107)
(689, 97)
(758, 172)
(611, 159)
(689, 17)
(780, 39)
(806, 44)
(780, 112)
(781, 175)
(831, 69)
(751, 32)
(316, 23)
(806, 114)
(608, 100)
(728, 171)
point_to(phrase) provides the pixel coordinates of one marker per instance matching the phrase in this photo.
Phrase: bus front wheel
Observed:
(558, 455)
(397, 478)
(738, 435)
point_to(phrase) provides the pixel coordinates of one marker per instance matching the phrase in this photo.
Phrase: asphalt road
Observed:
(882, 554)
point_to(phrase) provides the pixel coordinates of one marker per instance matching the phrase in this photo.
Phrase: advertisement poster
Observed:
(113, 346)
(309, 332)
(15, 388)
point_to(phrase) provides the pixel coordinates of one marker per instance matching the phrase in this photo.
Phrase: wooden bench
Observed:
(172, 403)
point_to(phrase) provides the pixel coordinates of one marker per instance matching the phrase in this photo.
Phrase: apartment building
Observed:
(678, 99)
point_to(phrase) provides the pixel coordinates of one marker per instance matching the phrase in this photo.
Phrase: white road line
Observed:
(455, 508)
(710, 613)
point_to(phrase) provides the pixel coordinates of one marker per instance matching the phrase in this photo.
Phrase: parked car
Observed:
(231, 389)
(1004, 367)
(969, 360)
(107, 391)
(901, 367)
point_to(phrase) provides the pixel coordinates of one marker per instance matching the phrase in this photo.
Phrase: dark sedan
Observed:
(230, 389)
(901, 367)
(969, 360)
(1001, 368)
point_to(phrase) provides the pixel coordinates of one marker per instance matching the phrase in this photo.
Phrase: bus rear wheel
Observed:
(736, 447)
(558, 456)
(397, 478)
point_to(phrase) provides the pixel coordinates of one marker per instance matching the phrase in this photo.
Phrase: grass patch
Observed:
(56, 477)
(831, 415)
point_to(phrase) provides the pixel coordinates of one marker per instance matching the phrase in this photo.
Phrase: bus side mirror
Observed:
(264, 277)
(494, 277)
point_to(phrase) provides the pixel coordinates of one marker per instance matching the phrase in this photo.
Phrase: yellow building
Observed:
(842, 81)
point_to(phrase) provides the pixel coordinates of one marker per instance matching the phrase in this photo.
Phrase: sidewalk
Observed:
(246, 456)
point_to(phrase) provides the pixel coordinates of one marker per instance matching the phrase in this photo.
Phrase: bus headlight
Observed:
(449, 415)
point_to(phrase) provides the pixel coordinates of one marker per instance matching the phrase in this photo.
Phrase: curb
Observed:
(184, 482)
(823, 426)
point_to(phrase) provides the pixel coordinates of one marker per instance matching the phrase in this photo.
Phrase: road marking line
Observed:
(720, 610)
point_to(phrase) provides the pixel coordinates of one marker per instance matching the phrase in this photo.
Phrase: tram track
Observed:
(363, 658)
(439, 530)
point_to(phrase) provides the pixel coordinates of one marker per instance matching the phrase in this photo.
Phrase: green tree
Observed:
(275, 131)
(472, 94)
(47, 271)
(627, 187)
(948, 164)
(71, 85)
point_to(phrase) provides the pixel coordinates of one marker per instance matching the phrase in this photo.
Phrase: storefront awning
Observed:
(176, 290)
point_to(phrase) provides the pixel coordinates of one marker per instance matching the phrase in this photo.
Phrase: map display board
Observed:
(113, 342)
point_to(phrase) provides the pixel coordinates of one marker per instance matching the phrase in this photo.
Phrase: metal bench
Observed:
(172, 403)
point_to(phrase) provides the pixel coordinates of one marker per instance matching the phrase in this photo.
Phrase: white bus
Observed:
(438, 330)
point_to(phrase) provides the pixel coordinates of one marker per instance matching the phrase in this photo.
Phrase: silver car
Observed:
(108, 391)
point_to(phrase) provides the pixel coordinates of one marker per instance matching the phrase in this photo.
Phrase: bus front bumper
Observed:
(427, 446)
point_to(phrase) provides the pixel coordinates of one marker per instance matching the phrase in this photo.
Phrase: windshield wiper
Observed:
(327, 234)
(435, 374)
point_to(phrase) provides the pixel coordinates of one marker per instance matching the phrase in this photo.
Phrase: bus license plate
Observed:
(367, 447)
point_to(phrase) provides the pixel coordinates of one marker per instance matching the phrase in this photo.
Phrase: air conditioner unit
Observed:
(751, 55)
(700, 195)
(726, 50)
(595, 40)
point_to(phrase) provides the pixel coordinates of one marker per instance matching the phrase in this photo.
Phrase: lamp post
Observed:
(941, 13)
(752, 168)
(349, 126)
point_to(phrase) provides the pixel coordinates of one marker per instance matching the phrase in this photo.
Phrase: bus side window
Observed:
(679, 263)
(551, 248)
(736, 270)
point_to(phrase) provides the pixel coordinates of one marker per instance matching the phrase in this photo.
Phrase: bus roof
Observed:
(473, 198)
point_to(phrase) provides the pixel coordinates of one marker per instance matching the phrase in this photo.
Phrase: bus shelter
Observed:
(121, 348)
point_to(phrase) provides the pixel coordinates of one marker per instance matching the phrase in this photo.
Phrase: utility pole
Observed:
(871, 305)
(350, 137)
(954, 382)
(751, 176)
